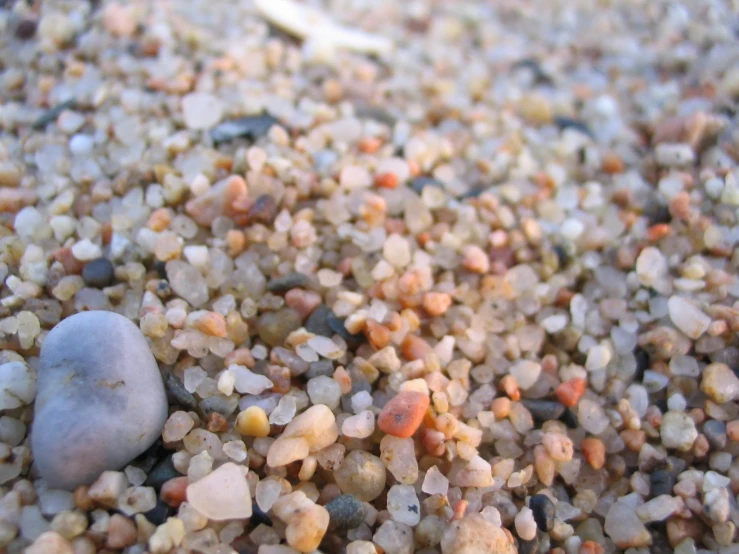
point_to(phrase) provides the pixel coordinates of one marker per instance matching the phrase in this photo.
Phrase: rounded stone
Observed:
(98, 273)
(345, 511)
(361, 474)
(100, 400)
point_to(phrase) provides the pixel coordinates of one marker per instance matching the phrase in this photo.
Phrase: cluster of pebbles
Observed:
(460, 282)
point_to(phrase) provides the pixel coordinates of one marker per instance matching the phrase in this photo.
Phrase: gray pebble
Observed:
(321, 367)
(100, 400)
(317, 322)
(345, 511)
(715, 432)
(544, 410)
(280, 285)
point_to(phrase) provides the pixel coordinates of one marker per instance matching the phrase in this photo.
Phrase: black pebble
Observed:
(159, 513)
(569, 418)
(178, 394)
(317, 322)
(543, 509)
(661, 482)
(280, 285)
(161, 268)
(642, 362)
(162, 472)
(715, 432)
(345, 511)
(98, 273)
(251, 127)
(544, 410)
(26, 29)
(562, 257)
(569, 123)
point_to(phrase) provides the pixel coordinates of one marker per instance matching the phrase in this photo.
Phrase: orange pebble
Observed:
(342, 377)
(436, 303)
(174, 491)
(217, 423)
(369, 145)
(433, 442)
(240, 356)
(510, 387)
(658, 231)
(414, 347)
(612, 163)
(213, 324)
(569, 392)
(377, 334)
(500, 407)
(386, 180)
(460, 506)
(403, 414)
(591, 547)
(594, 452)
(302, 301)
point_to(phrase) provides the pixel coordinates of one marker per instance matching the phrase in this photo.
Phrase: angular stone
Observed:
(221, 495)
(100, 401)
(625, 528)
(475, 535)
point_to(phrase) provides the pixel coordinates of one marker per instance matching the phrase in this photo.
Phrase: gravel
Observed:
(470, 267)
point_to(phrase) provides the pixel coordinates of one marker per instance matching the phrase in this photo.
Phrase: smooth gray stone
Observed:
(100, 400)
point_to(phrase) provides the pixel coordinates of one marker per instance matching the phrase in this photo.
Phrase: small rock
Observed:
(543, 410)
(659, 508)
(361, 474)
(50, 542)
(222, 495)
(306, 522)
(525, 524)
(100, 403)
(98, 273)
(280, 285)
(399, 458)
(346, 511)
(543, 510)
(317, 322)
(720, 383)
(187, 282)
(475, 535)
(274, 327)
(625, 528)
(526, 373)
(250, 127)
(403, 414)
(394, 538)
(201, 110)
(17, 385)
(715, 432)
(403, 504)
(661, 482)
(678, 431)
(687, 317)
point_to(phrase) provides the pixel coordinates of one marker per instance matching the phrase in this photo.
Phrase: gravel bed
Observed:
(418, 277)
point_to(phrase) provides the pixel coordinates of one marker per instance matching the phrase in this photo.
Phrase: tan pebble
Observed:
(253, 422)
(414, 347)
(680, 529)
(720, 383)
(475, 259)
(159, 219)
(302, 301)
(342, 377)
(732, 429)
(121, 532)
(558, 446)
(544, 465)
(217, 423)
(403, 414)
(433, 442)
(82, 498)
(634, 439)
(173, 491)
(48, 543)
(594, 452)
(235, 241)
(240, 356)
(510, 387)
(306, 522)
